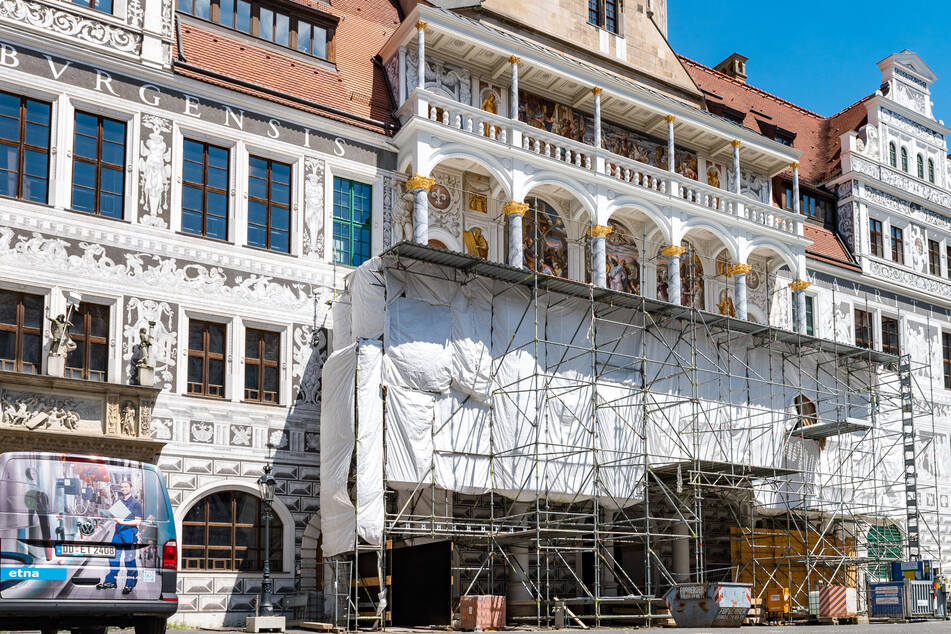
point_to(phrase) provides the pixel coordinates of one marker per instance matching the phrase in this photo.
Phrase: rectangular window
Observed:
(24, 148)
(97, 5)
(268, 22)
(810, 316)
(98, 165)
(890, 335)
(875, 237)
(863, 329)
(352, 218)
(21, 332)
(262, 351)
(269, 205)
(90, 332)
(946, 349)
(610, 16)
(898, 246)
(934, 257)
(205, 190)
(206, 358)
(594, 12)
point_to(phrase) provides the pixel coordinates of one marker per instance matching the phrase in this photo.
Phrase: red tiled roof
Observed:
(357, 87)
(827, 247)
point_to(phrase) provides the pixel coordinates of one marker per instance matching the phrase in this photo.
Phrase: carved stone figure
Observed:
(145, 347)
(314, 207)
(155, 170)
(61, 344)
(127, 419)
(40, 412)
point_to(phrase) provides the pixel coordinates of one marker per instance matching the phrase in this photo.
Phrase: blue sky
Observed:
(820, 55)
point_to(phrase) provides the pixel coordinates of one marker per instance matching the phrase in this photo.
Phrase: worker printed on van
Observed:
(128, 513)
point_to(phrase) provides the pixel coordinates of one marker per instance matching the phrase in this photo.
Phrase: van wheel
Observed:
(153, 625)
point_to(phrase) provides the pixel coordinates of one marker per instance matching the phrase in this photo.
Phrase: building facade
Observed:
(186, 201)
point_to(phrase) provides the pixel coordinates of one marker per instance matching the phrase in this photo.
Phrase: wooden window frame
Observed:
(277, 528)
(83, 336)
(258, 365)
(22, 146)
(891, 339)
(946, 358)
(350, 222)
(934, 257)
(864, 337)
(205, 188)
(931, 171)
(325, 21)
(920, 166)
(876, 233)
(206, 355)
(904, 159)
(601, 13)
(18, 330)
(99, 163)
(269, 203)
(898, 244)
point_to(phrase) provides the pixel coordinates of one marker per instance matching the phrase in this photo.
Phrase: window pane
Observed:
(38, 135)
(246, 510)
(251, 343)
(303, 36)
(266, 28)
(104, 5)
(272, 345)
(113, 131)
(270, 379)
(185, 6)
(219, 507)
(196, 336)
(86, 124)
(320, 42)
(111, 180)
(113, 152)
(35, 163)
(32, 311)
(282, 24)
(217, 177)
(192, 171)
(216, 228)
(203, 9)
(32, 348)
(243, 20)
(195, 372)
(226, 13)
(191, 222)
(85, 146)
(84, 199)
(110, 205)
(216, 338)
(218, 157)
(8, 308)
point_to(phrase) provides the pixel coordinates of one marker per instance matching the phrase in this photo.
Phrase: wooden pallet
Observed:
(755, 615)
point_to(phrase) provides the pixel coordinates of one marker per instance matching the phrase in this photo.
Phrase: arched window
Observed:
(904, 159)
(930, 170)
(921, 167)
(225, 531)
(891, 155)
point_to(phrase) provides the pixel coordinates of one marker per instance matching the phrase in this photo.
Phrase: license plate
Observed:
(84, 550)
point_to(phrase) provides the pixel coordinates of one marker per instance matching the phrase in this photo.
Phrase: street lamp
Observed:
(267, 484)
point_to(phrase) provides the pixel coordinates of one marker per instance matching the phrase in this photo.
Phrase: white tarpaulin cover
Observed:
(479, 397)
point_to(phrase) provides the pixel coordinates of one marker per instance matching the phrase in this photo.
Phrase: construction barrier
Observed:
(837, 602)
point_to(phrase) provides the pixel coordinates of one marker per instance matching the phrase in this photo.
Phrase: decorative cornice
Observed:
(670, 118)
(800, 285)
(599, 231)
(514, 207)
(673, 250)
(514, 59)
(60, 20)
(597, 90)
(420, 25)
(739, 269)
(419, 181)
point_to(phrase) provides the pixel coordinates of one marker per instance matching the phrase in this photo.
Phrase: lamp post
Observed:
(266, 484)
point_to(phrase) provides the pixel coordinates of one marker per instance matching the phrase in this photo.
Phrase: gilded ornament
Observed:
(420, 182)
(598, 231)
(673, 250)
(739, 269)
(514, 207)
(800, 285)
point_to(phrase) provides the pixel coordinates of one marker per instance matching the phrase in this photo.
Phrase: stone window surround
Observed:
(186, 315)
(285, 361)
(928, 233)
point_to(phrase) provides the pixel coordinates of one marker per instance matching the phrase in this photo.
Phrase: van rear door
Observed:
(79, 528)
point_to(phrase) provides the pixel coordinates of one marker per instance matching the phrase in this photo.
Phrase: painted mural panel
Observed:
(545, 240)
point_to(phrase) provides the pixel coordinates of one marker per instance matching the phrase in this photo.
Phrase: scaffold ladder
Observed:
(911, 467)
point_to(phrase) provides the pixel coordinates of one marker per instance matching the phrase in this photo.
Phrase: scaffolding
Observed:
(740, 452)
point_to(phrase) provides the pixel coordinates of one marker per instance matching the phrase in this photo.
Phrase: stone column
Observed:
(799, 294)
(673, 253)
(513, 98)
(739, 271)
(681, 552)
(736, 165)
(795, 188)
(420, 185)
(514, 211)
(596, 91)
(421, 54)
(671, 163)
(599, 271)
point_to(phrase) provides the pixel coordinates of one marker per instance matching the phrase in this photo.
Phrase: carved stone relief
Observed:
(446, 212)
(310, 353)
(389, 185)
(910, 97)
(910, 279)
(847, 224)
(39, 411)
(443, 78)
(155, 171)
(393, 74)
(314, 207)
(919, 253)
(914, 128)
(755, 186)
(61, 21)
(201, 431)
(134, 13)
(240, 435)
(138, 314)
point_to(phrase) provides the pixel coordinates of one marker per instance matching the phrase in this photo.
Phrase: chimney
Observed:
(734, 66)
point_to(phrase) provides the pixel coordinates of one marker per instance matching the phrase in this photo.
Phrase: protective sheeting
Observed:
(369, 442)
(484, 392)
(337, 520)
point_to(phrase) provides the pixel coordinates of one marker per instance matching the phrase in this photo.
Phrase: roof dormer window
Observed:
(309, 32)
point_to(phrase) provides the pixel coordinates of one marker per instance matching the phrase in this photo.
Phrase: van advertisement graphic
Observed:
(79, 529)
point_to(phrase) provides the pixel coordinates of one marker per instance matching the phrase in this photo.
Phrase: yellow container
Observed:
(777, 600)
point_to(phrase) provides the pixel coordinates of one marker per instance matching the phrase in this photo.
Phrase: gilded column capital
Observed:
(597, 90)
(514, 59)
(800, 285)
(794, 165)
(514, 207)
(739, 269)
(420, 25)
(670, 118)
(673, 250)
(420, 182)
(736, 143)
(599, 231)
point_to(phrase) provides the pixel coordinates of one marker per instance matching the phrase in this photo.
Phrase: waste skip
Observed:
(709, 604)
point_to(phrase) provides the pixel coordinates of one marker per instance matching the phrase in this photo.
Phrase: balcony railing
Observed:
(639, 175)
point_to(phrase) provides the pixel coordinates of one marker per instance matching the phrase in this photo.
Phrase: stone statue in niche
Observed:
(61, 345)
(127, 419)
(144, 365)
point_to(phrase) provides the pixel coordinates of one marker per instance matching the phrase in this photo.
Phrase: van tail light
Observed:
(170, 555)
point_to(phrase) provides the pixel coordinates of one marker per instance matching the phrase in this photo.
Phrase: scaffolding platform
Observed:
(818, 431)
